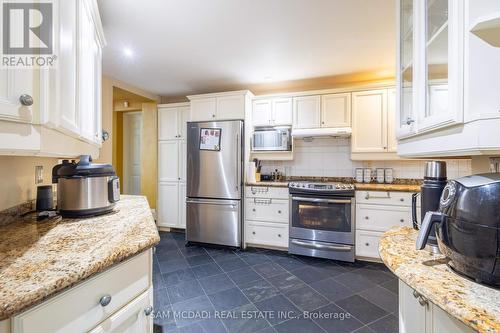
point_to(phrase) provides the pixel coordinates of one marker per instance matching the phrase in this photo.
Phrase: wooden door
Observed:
(132, 124)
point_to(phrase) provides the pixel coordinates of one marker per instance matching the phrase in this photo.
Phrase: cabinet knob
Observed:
(254, 210)
(409, 121)
(213, 116)
(148, 310)
(105, 300)
(367, 244)
(279, 211)
(26, 100)
(402, 199)
(253, 232)
(402, 220)
(322, 123)
(279, 235)
(367, 218)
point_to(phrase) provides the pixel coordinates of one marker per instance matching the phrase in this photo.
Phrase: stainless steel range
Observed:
(322, 220)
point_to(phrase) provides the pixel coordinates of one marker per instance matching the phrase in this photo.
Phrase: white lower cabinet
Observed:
(127, 286)
(266, 216)
(419, 315)
(377, 212)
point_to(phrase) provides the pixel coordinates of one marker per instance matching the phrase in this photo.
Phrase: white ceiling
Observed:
(182, 47)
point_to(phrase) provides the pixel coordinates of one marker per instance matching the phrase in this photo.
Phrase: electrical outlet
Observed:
(38, 174)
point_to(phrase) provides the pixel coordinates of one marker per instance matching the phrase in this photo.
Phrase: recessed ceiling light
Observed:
(128, 52)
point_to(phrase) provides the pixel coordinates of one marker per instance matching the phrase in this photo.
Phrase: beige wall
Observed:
(149, 154)
(17, 176)
(106, 153)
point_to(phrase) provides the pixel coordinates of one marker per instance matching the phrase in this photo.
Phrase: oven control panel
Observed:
(321, 186)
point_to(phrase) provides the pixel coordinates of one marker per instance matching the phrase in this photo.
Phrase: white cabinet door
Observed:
(183, 118)
(182, 160)
(168, 165)
(282, 111)
(369, 121)
(168, 204)
(203, 109)
(230, 107)
(392, 141)
(131, 318)
(413, 317)
(182, 205)
(336, 110)
(13, 84)
(306, 111)
(168, 124)
(89, 75)
(262, 112)
(443, 322)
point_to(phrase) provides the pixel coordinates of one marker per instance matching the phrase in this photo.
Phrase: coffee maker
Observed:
(430, 192)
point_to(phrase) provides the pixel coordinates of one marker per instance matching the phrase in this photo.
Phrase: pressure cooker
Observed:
(85, 188)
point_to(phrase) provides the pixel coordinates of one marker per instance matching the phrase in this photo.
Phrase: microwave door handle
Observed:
(342, 201)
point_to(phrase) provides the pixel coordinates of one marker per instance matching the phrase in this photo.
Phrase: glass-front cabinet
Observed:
(430, 77)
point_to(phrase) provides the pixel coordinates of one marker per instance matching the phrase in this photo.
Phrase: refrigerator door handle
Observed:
(207, 202)
(237, 161)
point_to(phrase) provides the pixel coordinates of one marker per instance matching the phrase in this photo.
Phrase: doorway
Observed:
(132, 127)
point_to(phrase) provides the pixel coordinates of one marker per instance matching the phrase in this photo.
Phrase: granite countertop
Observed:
(40, 259)
(395, 187)
(475, 305)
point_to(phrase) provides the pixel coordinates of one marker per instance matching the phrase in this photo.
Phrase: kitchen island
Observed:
(432, 298)
(75, 274)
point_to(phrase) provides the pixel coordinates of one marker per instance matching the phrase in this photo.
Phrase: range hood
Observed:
(321, 132)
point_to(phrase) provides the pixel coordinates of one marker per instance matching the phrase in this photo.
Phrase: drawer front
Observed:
(381, 218)
(132, 318)
(367, 244)
(270, 234)
(266, 192)
(262, 209)
(79, 308)
(384, 198)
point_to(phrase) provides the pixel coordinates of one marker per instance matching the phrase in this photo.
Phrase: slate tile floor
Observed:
(220, 290)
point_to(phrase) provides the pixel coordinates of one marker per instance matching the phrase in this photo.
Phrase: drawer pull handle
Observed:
(402, 220)
(148, 310)
(105, 300)
(367, 218)
(368, 196)
(279, 211)
(254, 210)
(402, 199)
(367, 244)
(253, 232)
(279, 235)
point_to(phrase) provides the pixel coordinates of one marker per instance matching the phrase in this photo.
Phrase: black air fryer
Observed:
(468, 226)
(430, 193)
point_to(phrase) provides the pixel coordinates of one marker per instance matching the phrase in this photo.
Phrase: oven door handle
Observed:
(343, 248)
(342, 201)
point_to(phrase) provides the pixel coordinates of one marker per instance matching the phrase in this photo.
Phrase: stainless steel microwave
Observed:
(272, 139)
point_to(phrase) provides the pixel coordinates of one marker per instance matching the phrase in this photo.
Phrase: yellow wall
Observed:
(17, 176)
(149, 154)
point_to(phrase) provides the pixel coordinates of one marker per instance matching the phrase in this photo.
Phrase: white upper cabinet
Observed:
(272, 112)
(448, 80)
(219, 106)
(66, 108)
(172, 122)
(203, 109)
(336, 110)
(262, 112)
(369, 121)
(282, 112)
(230, 107)
(15, 83)
(307, 112)
(168, 123)
(392, 142)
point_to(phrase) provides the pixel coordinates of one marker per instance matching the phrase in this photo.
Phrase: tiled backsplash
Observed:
(331, 157)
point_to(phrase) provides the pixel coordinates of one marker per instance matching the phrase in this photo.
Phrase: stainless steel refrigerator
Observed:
(214, 182)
